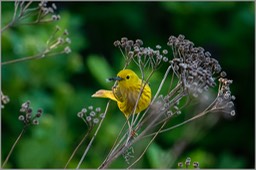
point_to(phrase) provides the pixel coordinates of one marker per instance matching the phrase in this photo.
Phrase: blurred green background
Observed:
(63, 85)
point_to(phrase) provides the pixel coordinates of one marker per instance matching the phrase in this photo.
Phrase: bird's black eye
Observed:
(127, 77)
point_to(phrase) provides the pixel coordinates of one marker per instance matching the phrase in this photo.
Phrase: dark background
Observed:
(63, 85)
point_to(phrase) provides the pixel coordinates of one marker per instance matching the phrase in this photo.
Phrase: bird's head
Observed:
(126, 77)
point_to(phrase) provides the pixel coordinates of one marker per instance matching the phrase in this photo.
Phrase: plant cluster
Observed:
(193, 73)
(34, 13)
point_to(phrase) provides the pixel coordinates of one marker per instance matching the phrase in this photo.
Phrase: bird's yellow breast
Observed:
(128, 96)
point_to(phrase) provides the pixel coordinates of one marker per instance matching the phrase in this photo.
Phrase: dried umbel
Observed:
(142, 56)
(91, 116)
(193, 66)
(27, 116)
(197, 72)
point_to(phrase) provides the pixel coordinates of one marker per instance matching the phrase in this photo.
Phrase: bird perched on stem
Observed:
(126, 92)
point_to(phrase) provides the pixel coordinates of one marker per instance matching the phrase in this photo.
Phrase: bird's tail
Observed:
(104, 94)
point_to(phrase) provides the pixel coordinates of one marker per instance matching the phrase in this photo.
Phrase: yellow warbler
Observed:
(126, 92)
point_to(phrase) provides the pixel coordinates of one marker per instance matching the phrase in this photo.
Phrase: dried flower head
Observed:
(196, 165)
(4, 100)
(27, 116)
(91, 116)
(180, 164)
(142, 56)
(188, 161)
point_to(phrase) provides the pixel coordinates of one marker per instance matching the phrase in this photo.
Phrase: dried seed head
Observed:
(68, 40)
(139, 42)
(54, 6)
(54, 17)
(29, 110)
(95, 120)
(80, 114)
(28, 116)
(196, 164)
(223, 74)
(67, 50)
(124, 39)
(5, 99)
(66, 32)
(188, 161)
(84, 110)
(180, 164)
(117, 43)
(90, 107)
(165, 59)
(21, 117)
(102, 116)
(165, 52)
(88, 118)
(35, 122)
(158, 47)
(92, 114)
(98, 109)
(40, 111)
(233, 113)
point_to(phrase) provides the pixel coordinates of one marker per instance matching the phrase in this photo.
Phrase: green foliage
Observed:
(100, 69)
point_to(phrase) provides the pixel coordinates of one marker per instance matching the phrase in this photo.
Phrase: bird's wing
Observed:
(117, 93)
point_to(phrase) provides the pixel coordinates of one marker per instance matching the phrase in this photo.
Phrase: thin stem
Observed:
(121, 149)
(105, 164)
(182, 123)
(208, 109)
(25, 8)
(162, 83)
(16, 5)
(170, 87)
(167, 118)
(113, 150)
(157, 93)
(41, 55)
(7, 26)
(133, 122)
(15, 17)
(148, 145)
(96, 132)
(37, 22)
(114, 145)
(78, 146)
(13, 146)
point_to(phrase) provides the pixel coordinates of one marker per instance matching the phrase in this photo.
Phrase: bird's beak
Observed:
(115, 78)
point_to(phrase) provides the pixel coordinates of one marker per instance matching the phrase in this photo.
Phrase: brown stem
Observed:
(147, 146)
(77, 147)
(94, 136)
(13, 146)
(41, 55)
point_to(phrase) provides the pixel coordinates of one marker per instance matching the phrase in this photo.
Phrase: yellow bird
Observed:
(126, 92)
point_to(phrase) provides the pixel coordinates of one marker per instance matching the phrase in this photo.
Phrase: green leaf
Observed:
(100, 69)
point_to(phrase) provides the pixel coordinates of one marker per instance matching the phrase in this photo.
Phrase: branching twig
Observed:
(91, 141)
